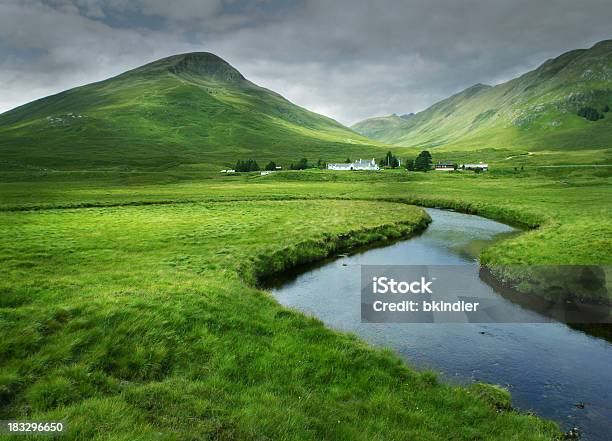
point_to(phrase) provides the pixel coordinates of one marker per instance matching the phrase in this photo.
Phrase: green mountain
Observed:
(186, 109)
(563, 104)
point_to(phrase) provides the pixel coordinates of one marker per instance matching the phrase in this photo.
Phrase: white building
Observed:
(341, 166)
(480, 166)
(361, 164)
(445, 166)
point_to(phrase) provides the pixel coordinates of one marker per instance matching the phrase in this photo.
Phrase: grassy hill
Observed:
(538, 110)
(186, 109)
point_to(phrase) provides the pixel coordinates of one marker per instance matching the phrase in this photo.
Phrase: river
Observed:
(557, 372)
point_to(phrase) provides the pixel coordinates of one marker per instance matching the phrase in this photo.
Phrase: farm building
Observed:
(445, 166)
(480, 166)
(361, 164)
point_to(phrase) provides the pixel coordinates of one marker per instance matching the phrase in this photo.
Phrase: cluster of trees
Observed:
(303, 164)
(250, 165)
(389, 161)
(421, 163)
(246, 166)
(593, 114)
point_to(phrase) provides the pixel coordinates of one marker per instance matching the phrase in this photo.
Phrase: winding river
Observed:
(559, 373)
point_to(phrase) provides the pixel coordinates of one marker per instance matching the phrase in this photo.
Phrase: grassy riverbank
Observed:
(133, 323)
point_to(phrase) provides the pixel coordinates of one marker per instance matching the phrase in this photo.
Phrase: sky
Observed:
(348, 59)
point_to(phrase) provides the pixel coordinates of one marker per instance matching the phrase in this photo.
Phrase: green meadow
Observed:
(130, 305)
(569, 206)
(143, 322)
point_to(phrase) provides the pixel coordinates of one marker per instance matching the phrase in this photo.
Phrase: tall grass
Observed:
(132, 322)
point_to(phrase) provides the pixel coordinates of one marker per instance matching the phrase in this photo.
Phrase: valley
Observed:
(132, 303)
(540, 110)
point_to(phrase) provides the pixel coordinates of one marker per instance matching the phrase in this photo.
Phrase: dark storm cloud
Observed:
(346, 59)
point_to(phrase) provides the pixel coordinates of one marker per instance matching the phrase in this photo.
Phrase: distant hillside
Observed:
(190, 108)
(384, 127)
(561, 104)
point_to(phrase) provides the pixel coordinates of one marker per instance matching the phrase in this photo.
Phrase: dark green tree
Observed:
(252, 165)
(423, 161)
(271, 166)
(302, 164)
(246, 166)
(388, 158)
(590, 113)
(410, 164)
(606, 109)
(389, 161)
(348, 161)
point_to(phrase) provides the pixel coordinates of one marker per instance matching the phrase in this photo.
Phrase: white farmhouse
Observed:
(361, 164)
(341, 166)
(480, 166)
(445, 166)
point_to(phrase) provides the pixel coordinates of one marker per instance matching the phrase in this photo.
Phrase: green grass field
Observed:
(128, 302)
(132, 323)
(571, 206)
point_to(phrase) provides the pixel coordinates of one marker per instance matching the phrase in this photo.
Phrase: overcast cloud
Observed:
(347, 59)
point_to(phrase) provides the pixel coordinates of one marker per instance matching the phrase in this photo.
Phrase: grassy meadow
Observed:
(570, 207)
(129, 303)
(136, 322)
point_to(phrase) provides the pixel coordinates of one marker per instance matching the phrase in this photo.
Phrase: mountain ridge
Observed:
(538, 109)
